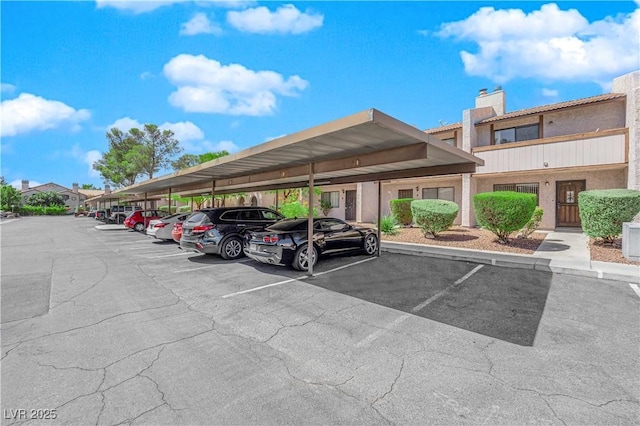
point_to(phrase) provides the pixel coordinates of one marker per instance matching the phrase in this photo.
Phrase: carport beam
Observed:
(213, 193)
(310, 223)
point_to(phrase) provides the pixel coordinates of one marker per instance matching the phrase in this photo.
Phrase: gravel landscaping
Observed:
(481, 239)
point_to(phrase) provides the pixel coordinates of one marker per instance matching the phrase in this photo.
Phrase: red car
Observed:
(176, 232)
(139, 220)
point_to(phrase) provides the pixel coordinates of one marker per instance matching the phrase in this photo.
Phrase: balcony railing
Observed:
(584, 149)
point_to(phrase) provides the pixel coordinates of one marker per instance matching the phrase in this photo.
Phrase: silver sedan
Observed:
(161, 228)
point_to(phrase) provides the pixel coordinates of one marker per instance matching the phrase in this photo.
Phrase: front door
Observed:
(567, 213)
(350, 205)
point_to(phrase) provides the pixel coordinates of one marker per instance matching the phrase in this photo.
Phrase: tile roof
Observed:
(445, 128)
(554, 107)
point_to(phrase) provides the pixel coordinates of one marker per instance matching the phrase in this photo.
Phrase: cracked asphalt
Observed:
(112, 327)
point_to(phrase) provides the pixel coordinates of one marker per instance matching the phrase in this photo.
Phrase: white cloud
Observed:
(549, 44)
(550, 93)
(146, 75)
(200, 147)
(87, 157)
(200, 24)
(286, 19)
(136, 6)
(28, 113)
(17, 184)
(205, 85)
(182, 130)
(125, 124)
(7, 88)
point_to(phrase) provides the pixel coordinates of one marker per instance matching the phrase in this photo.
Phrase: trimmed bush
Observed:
(533, 223)
(43, 211)
(602, 212)
(503, 212)
(388, 225)
(434, 216)
(296, 209)
(401, 210)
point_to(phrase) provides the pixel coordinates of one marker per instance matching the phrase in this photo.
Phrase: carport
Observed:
(363, 147)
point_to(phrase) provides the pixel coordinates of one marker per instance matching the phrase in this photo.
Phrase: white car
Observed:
(161, 228)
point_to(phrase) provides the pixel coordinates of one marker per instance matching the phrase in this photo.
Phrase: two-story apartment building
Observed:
(554, 151)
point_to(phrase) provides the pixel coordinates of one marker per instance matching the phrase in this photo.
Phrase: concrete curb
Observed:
(602, 270)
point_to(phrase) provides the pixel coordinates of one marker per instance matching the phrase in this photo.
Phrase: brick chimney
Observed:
(75, 188)
(107, 189)
(25, 185)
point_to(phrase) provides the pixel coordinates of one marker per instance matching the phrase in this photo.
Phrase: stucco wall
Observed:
(604, 179)
(630, 84)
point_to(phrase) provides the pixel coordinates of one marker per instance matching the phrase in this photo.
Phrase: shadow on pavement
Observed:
(503, 303)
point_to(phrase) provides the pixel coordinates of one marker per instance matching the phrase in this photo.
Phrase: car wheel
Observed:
(231, 248)
(301, 258)
(138, 227)
(371, 244)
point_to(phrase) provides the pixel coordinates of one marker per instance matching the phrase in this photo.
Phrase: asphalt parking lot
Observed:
(110, 327)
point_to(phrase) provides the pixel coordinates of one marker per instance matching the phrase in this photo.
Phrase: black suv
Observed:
(221, 230)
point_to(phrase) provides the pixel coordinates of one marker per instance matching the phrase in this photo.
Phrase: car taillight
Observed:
(203, 228)
(270, 239)
(160, 225)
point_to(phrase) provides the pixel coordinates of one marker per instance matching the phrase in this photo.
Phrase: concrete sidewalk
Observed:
(561, 252)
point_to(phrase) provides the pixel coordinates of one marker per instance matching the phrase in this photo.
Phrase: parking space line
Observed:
(373, 336)
(208, 266)
(446, 290)
(182, 253)
(261, 287)
(635, 288)
(295, 279)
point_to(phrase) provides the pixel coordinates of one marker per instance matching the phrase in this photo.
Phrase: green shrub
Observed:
(503, 212)
(401, 210)
(296, 209)
(388, 225)
(602, 212)
(434, 216)
(182, 209)
(533, 223)
(42, 211)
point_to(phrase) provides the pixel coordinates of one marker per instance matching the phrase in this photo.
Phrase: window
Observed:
(528, 188)
(269, 215)
(405, 193)
(516, 134)
(445, 193)
(332, 197)
(450, 141)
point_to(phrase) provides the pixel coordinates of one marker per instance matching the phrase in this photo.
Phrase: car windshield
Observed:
(289, 225)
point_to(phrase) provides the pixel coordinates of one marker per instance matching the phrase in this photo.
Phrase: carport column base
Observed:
(467, 216)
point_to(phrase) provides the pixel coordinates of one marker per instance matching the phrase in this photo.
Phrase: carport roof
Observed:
(366, 146)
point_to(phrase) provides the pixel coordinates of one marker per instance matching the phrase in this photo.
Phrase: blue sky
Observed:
(234, 74)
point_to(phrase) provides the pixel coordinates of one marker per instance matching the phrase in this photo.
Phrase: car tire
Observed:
(231, 248)
(138, 227)
(371, 244)
(301, 258)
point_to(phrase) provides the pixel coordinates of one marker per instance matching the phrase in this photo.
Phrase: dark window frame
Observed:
(516, 134)
(438, 197)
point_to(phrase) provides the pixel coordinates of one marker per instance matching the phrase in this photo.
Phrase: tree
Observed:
(157, 148)
(117, 166)
(136, 153)
(89, 186)
(45, 199)
(190, 160)
(9, 196)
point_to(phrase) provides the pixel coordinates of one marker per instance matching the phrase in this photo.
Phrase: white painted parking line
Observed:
(261, 287)
(295, 279)
(373, 336)
(182, 253)
(635, 288)
(208, 266)
(446, 290)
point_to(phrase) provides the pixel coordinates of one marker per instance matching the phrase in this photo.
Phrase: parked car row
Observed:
(259, 233)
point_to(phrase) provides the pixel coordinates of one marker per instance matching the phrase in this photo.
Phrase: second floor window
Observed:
(516, 134)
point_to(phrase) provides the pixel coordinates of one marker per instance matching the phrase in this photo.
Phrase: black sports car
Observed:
(285, 243)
